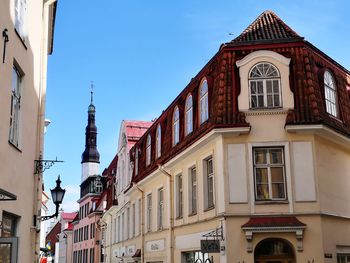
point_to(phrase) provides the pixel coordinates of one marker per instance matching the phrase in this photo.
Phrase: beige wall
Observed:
(17, 164)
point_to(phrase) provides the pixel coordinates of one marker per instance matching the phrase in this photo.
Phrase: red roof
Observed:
(70, 227)
(135, 129)
(68, 216)
(268, 26)
(285, 221)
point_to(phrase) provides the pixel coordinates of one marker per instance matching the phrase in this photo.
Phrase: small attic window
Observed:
(330, 94)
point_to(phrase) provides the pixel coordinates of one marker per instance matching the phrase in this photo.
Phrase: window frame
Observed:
(203, 98)
(15, 109)
(176, 126)
(148, 149)
(268, 166)
(159, 141)
(193, 188)
(264, 93)
(340, 257)
(160, 221)
(179, 196)
(331, 104)
(189, 114)
(149, 212)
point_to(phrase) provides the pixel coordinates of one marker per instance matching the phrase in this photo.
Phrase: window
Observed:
(160, 208)
(209, 183)
(9, 223)
(193, 190)
(176, 126)
(92, 255)
(20, 16)
(136, 161)
(139, 216)
(203, 101)
(133, 219)
(123, 227)
(343, 258)
(269, 175)
(159, 141)
(148, 150)
(149, 212)
(179, 196)
(264, 86)
(16, 88)
(119, 229)
(127, 223)
(189, 115)
(330, 92)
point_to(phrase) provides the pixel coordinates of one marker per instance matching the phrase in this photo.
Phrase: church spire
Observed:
(91, 154)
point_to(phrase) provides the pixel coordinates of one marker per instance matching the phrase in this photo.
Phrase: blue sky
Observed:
(141, 54)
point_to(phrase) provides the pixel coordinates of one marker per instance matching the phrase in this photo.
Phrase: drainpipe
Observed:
(171, 218)
(142, 223)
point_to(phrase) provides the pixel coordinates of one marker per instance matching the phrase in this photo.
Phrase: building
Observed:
(65, 237)
(86, 246)
(27, 29)
(249, 163)
(52, 240)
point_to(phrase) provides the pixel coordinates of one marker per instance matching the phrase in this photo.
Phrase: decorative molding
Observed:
(263, 53)
(266, 112)
(250, 231)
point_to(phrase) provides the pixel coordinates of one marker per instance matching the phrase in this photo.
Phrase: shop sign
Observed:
(210, 246)
(155, 245)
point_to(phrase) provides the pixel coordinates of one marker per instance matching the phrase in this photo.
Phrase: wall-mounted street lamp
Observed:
(57, 197)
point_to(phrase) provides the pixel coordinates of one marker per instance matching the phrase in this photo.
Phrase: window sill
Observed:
(209, 208)
(271, 202)
(14, 146)
(179, 217)
(21, 39)
(192, 214)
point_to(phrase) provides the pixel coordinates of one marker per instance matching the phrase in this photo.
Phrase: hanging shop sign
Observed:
(210, 246)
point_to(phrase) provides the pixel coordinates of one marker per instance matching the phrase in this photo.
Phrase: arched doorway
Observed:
(274, 250)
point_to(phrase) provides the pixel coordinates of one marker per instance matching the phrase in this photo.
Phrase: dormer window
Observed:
(176, 126)
(265, 86)
(159, 141)
(148, 150)
(189, 115)
(330, 93)
(203, 101)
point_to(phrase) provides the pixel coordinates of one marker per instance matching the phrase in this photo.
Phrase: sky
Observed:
(141, 55)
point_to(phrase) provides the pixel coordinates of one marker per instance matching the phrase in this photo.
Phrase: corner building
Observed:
(254, 152)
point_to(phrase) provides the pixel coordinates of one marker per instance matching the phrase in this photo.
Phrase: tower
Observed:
(90, 158)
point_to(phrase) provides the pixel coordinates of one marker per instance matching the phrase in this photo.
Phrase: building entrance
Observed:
(273, 250)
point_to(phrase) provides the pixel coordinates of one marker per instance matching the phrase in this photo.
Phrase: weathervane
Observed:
(92, 90)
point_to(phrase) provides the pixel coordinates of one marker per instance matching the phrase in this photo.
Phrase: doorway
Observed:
(274, 250)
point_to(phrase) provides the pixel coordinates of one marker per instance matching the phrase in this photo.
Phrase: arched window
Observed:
(330, 92)
(265, 86)
(274, 249)
(159, 141)
(176, 126)
(148, 150)
(203, 101)
(189, 115)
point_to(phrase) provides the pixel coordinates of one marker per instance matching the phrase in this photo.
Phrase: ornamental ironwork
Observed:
(41, 165)
(7, 196)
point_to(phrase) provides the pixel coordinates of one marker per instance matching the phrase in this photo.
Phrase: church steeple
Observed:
(91, 154)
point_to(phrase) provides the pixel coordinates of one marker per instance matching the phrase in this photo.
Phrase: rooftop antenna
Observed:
(92, 90)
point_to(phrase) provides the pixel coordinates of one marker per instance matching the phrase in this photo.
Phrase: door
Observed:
(274, 250)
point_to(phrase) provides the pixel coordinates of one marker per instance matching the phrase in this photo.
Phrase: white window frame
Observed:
(193, 188)
(176, 126)
(330, 93)
(179, 196)
(159, 141)
(15, 111)
(209, 202)
(268, 167)
(148, 149)
(203, 101)
(149, 212)
(160, 208)
(189, 115)
(343, 257)
(21, 17)
(264, 80)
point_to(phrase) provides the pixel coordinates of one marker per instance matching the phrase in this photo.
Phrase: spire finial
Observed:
(92, 90)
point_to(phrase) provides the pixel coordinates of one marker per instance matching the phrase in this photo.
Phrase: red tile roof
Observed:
(285, 221)
(135, 129)
(267, 26)
(70, 227)
(68, 216)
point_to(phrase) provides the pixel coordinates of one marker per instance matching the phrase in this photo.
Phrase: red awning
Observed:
(270, 222)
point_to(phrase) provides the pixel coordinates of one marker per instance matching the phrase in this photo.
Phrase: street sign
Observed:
(210, 246)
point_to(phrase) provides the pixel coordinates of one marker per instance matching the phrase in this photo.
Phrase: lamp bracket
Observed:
(41, 165)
